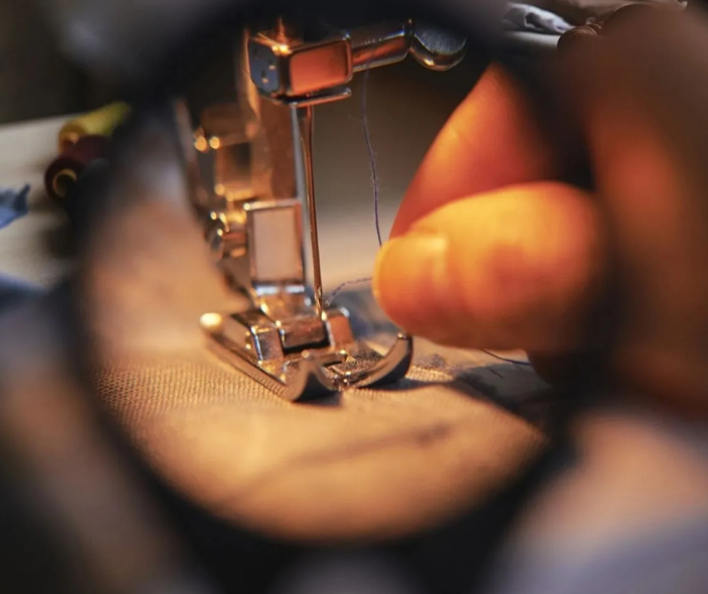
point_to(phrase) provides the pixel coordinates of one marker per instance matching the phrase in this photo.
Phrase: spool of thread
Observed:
(65, 170)
(101, 122)
(578, 35)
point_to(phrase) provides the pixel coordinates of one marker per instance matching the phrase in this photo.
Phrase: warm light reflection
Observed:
(211, 321)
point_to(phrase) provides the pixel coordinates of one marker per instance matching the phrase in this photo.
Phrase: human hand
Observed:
(490, 249)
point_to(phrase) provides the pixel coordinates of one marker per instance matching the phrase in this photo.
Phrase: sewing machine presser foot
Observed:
(257, 347)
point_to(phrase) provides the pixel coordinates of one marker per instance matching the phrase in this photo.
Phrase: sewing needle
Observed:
(307, 128)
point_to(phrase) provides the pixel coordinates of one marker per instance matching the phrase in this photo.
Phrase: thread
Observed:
(372, 155)
(374, 187)
(343, 286)
(377, 219)
(505, 359)
(102, 122)
(65, 170)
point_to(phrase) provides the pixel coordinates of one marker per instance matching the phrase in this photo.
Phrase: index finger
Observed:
(491, 141)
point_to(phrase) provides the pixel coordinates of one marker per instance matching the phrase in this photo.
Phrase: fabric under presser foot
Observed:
(447, 433)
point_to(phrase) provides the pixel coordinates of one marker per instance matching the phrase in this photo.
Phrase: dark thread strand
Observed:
(505, 359)
(339, 289)
(372, 156)
(374, 187)
(377, 218)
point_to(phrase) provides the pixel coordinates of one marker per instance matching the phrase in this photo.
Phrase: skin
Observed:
(493, 249)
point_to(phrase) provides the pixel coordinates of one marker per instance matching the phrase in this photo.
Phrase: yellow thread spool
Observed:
(101, 122)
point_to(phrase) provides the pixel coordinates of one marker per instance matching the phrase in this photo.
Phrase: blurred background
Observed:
(37, 82)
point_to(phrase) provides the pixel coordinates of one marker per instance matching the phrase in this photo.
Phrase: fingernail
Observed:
(410, 279)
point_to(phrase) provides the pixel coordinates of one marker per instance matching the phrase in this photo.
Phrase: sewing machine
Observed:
(251, 169)
(256, 177)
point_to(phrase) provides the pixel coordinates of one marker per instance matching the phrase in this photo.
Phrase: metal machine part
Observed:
(261, 173)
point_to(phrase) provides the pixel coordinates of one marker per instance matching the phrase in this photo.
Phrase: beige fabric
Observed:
(366, 464)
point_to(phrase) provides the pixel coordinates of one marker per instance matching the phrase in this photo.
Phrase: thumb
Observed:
(515, 268)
